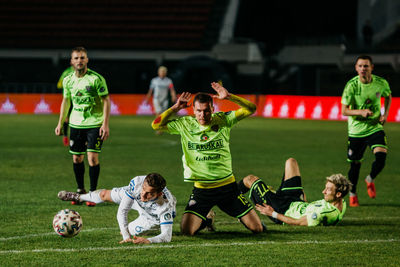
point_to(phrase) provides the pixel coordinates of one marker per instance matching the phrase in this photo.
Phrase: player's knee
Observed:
(77, 158)
(291, 162)
(249, 180)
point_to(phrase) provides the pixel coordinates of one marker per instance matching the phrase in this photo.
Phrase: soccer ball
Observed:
(67, 223)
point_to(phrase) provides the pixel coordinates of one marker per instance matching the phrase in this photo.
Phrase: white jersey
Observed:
(158, 212)
(160, 88)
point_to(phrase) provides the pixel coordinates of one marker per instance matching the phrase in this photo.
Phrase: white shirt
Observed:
(160, 211)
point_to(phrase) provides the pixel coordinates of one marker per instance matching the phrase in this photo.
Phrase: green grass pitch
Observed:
(34, 166)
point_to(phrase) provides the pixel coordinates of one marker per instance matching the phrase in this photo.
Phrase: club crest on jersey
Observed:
(204, 137)
(167, 216)
(88, 88)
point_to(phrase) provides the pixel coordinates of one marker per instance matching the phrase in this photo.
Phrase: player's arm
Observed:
(388, 102)
(347, 111)
(269, 211)
(65, 104)
(122, 217)
(246, 109)
(105, 129)
(148, 95)
(160, 123)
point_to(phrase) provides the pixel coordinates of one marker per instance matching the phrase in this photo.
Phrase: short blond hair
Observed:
(342, 184)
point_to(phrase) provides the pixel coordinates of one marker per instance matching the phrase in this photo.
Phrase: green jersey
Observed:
(207, 157)
(86, 95)
(319, 212)
(65, 73)
(358, 95)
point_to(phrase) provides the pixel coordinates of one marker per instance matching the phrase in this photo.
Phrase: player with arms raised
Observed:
(207, 159)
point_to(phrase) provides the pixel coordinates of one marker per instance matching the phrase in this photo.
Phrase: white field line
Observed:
(224, 222)
(202, 245)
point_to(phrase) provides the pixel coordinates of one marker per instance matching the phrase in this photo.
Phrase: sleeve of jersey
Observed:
(162, 122)
(246, 109)
(101, 86)
(166, 223)
(66, 92)
(122, 215)
(346, 96)
(386, 90)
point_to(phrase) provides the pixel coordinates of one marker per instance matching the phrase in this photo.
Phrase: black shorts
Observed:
(227, 198)
(357, 145)
(82, 140)
(290, 191)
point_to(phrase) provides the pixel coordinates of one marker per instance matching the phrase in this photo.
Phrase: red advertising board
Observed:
(269, 106)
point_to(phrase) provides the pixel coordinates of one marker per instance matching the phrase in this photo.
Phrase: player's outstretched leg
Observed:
(258, 189)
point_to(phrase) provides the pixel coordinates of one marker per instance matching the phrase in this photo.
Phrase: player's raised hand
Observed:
(183, 101)
(222, 93)
(140, 240)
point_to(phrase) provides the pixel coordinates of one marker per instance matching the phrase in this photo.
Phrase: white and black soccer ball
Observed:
(67, 223)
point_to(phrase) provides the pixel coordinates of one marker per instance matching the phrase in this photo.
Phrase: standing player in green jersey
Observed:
(89, 118)
(65, 73)
(361, 102)
(207, 159)
(288, 204)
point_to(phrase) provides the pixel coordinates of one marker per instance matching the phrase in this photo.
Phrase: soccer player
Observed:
(146, 194)
(207, 159)
(65, 73)
(361, 102)
(288, 204)
(160, 86)
(87, 91)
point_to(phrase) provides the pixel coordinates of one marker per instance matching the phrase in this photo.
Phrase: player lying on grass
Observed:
(146, 194)
(288, 204)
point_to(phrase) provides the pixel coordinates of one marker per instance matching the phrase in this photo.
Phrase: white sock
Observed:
(92, 197)
(369, 179)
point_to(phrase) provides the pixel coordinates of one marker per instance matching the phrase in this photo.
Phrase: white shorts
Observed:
(160, 106)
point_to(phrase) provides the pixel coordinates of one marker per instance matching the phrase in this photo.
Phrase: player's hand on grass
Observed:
(128, 240)
(183, 101)
(222, 93)
(265, 209)
(140, 240)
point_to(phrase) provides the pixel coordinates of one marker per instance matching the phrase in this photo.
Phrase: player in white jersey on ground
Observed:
(146, 194)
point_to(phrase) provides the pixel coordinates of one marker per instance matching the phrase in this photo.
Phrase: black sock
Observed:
(353, 174)
(204, 223)
(258, 192)
(94, 172)
(79, 170)
(378, 164)
(65, 128)
(242, 188)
